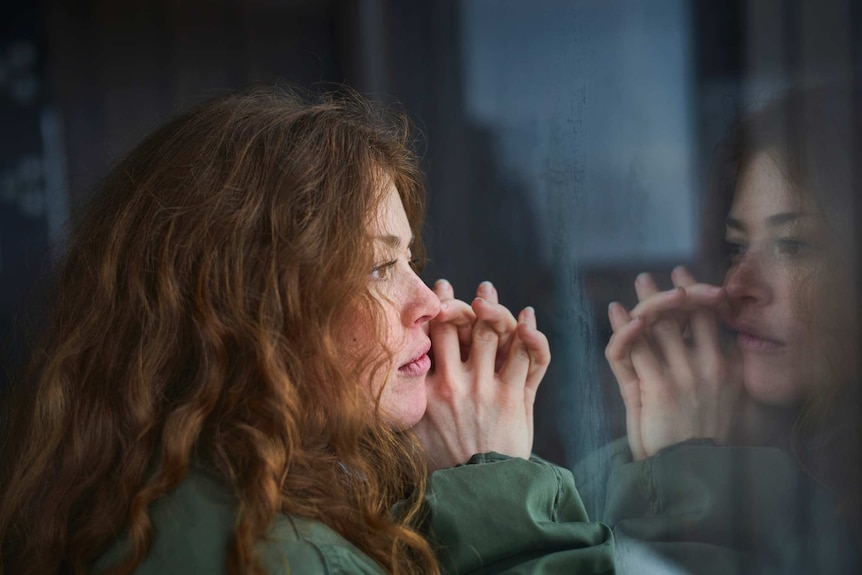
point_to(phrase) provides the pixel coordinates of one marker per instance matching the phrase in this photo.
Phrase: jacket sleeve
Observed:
(509, 515)
(699, 508)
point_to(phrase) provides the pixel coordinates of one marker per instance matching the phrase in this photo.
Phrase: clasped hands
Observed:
(679, 378)
(487, 366)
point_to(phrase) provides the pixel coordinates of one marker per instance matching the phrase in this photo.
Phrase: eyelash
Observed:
(787, 247)
(792, 247)
(382, 271)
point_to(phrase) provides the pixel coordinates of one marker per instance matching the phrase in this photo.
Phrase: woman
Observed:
(239, 355)
(779, 378)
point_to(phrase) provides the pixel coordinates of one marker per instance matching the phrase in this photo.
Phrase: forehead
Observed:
(391, 220)
(764, 188)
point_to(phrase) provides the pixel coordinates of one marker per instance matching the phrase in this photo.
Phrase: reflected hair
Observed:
(196, 321)
(814, 136)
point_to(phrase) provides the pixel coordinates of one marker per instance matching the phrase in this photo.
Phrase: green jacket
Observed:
(696, 507)
(493, 515)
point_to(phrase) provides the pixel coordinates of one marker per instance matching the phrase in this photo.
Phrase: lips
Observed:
(419, 364)
(752, 339)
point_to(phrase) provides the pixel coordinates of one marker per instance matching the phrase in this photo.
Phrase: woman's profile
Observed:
(237, 376)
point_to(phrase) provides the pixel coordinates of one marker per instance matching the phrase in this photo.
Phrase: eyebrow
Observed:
(392, 241)
(773, 221)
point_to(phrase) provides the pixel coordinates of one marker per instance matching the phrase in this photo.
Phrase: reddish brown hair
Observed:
(196, 318)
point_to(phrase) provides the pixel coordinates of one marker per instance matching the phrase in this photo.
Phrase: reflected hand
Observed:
(676, 381)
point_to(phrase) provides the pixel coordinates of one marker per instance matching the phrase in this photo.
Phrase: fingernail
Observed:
(479, 299)
(485, 287)
(715, 290)
(444, 305)
(678, 270)
(442, 282)
(641, 277)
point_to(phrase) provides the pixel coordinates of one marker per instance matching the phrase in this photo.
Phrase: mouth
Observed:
(751, 339)
(420, 364)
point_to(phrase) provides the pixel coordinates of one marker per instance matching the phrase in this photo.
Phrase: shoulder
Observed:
(308, 546)
(193, 529)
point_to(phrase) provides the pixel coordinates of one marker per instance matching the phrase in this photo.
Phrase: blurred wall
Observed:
(566, 142)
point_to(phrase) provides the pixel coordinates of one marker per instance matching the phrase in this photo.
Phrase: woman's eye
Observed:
(791, 247)
(383, 271)
(733, 250)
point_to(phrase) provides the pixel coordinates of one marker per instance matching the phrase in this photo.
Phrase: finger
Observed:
(525, 351)
(487, 292)
(697, 294)
(645, 286)
(501, 320)
(652, 307)
(618, 354)
(648, 291)
(516, 366)
(680, 300)
(483, 349)
(618, 315)
(648, 367)
(661, 309)
(455, 313)
(444, 329)
(538, 349)
(703, 324)
(667, 337)
(444, 289)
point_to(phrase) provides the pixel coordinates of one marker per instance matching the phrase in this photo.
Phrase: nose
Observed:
(746, 281)
(421, 306)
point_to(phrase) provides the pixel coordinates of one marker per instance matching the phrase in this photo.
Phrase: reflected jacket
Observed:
(494, 514)
(696, 507)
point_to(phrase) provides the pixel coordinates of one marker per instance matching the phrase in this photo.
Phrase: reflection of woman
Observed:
(790, 380)
(238, 352)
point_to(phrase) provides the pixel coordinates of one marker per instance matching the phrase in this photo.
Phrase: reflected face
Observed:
(786, 294)
(408, 305)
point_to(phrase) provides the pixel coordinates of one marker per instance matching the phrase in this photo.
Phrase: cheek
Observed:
(827, 306)
(824, 300)
(391, 330)
(359, 342)
(369, 343)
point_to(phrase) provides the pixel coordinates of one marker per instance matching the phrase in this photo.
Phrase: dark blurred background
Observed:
(566, 142)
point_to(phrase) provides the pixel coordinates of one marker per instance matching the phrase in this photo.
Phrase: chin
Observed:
(773, 387)
(405, 407)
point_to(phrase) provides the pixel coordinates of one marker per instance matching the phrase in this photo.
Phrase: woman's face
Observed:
(790, 304)
(408, 305)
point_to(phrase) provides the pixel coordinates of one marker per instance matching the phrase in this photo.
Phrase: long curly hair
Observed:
(196, 317)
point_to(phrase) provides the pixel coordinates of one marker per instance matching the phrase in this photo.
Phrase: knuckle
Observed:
(484, 334)
(665, 327)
